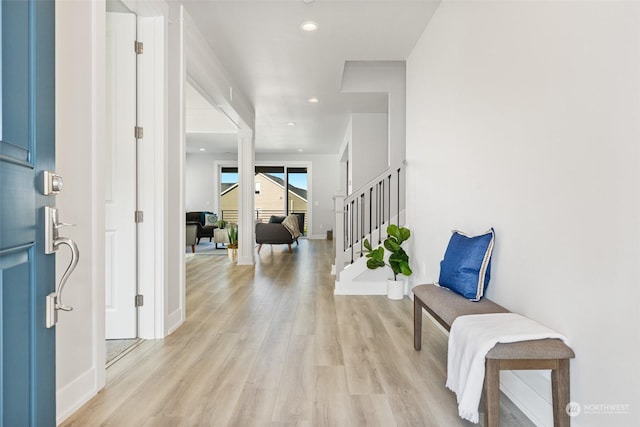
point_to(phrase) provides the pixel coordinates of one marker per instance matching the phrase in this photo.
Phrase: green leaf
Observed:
(393, 230)
(404, 234)
(373, 263)
(377, 254)
(395, 266)
(367, 245)
(399, 255)
(405, 269)
(391, 245)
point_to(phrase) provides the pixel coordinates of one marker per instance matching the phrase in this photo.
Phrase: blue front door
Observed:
(27, 275)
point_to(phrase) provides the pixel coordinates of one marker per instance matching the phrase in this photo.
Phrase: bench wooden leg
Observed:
(193, 249)
(417, 324)
(259, 247)
(560, 384)
(492, 393)
(290, 250)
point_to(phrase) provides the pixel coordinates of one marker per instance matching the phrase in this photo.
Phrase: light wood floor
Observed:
(272, 346)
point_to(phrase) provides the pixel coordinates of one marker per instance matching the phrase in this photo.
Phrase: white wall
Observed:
(174, 184)
(369, 147)
(382, 77)
(524, 116)
(345, 155)
(80, 126)
(200, 179)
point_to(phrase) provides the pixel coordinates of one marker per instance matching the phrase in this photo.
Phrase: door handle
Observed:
(52, 242)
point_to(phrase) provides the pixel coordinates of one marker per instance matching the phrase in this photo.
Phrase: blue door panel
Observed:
(18, 206)
(15, 74)
(15, 336)
(27, 275)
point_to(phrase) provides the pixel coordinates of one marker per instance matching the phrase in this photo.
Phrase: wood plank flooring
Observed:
(271, 345)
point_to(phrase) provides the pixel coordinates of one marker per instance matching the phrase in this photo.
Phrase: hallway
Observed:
(271, 345)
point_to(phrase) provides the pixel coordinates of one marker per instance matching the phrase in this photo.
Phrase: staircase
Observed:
(365, 214)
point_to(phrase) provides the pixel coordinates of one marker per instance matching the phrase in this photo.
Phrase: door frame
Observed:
(154, 265)
(80, 129)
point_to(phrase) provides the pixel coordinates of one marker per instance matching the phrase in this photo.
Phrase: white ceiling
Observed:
(208, 129)
(279, 67)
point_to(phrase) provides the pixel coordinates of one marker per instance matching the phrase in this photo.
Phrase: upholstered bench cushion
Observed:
(536, 349)
(446, 305)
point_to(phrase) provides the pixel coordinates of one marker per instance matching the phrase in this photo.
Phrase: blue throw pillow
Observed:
(466, 267)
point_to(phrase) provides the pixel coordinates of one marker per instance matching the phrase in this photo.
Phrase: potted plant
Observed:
(221, 223)
(398, 259)
(232, 246)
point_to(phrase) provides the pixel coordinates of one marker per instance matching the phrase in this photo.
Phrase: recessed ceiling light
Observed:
(308, 1)
(203, 149)
(309, 26)
(291, 124)
(300, 150)
(313, 100)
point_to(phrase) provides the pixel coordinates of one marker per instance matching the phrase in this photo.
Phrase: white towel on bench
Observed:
(470, 339)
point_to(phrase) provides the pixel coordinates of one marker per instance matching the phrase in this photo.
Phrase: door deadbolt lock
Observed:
(52, 183)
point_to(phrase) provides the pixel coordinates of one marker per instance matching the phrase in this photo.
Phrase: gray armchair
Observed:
(192, 236)
(274, 233)
(198, 218)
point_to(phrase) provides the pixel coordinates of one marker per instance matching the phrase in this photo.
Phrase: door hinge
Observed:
(139, 217)
(138, 47)
(139, 300)
(138, 132)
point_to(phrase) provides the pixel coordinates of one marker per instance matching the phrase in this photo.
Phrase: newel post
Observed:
(338, 231)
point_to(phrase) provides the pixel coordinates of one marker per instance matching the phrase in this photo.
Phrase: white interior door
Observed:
(120, 180)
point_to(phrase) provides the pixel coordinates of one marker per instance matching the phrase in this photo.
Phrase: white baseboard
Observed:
(75, 394)
(525, 396)
(174, 320)
(317, 237)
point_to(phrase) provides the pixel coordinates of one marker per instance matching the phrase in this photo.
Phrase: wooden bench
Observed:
(445, 306)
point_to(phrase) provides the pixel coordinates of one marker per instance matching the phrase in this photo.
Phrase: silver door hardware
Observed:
(138, 217)
(138, 132)
(52, 183)
(138, 47)
(139, 302)
(53, 241)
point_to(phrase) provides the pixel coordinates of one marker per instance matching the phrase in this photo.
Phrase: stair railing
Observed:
(366, 213)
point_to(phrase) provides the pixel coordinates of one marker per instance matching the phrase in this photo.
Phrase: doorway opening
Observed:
(121, 187)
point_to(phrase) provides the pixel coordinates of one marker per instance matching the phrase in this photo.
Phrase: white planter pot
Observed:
(232, 253)
(395, 289)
